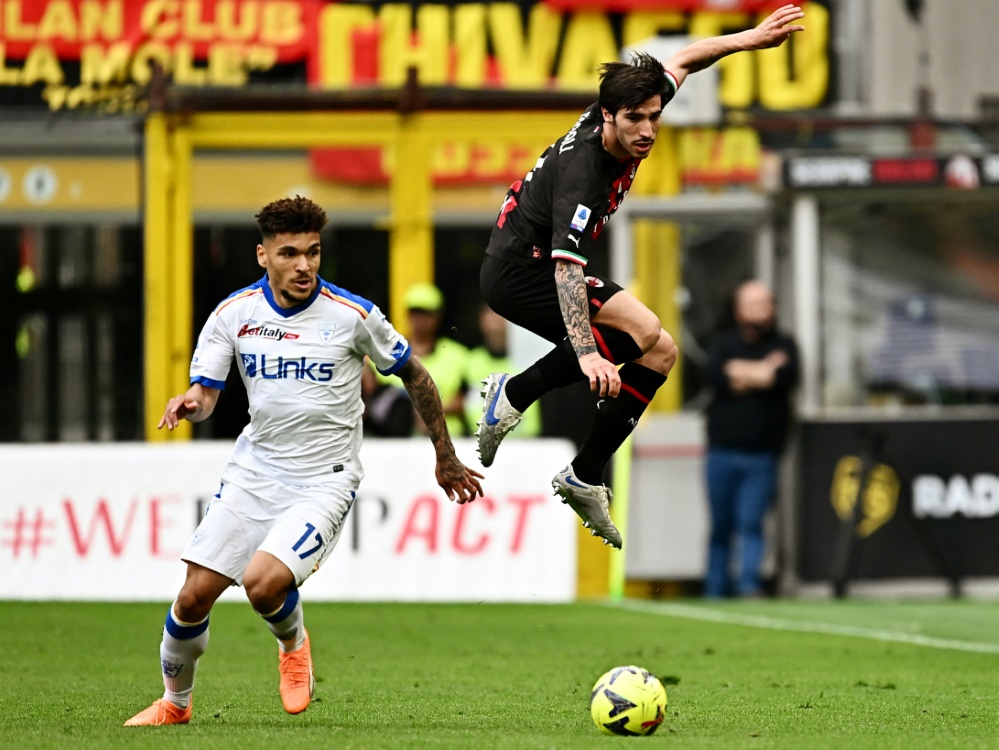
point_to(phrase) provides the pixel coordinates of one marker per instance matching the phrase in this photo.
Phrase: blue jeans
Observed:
(741, 486)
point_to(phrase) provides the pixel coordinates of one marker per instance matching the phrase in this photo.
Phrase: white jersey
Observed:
(302, 370)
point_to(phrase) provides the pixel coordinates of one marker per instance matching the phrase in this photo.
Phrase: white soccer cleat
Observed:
(591, 502)
(498, 416)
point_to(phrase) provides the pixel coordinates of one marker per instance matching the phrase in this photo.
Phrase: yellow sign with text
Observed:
(502, 45)
(543, 49)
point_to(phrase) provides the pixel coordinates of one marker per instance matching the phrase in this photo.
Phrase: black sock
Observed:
(614, 421)
(557, 368)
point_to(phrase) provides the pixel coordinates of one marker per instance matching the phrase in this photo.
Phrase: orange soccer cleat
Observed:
(297, 681)
(161, 713)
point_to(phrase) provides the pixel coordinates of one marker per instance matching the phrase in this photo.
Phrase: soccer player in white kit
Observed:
(300, 344)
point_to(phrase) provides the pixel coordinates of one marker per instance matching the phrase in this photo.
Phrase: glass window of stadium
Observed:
(717, 257)
(74, 324)
(910, 287)
(72, 330)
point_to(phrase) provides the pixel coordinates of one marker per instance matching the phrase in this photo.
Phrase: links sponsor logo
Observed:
(266, 332)
(935, 497)
(280, 368)
(870, 500)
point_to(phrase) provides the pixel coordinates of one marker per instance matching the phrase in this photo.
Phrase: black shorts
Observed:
(526, 295)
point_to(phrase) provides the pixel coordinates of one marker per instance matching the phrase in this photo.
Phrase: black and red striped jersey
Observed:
(562, 205)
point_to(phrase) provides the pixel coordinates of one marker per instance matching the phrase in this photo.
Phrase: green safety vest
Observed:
(446, 364)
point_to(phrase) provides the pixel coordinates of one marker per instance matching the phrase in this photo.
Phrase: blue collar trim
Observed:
(287, 312)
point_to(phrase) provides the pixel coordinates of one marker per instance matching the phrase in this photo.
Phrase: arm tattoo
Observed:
(427, 402)
(571, 289)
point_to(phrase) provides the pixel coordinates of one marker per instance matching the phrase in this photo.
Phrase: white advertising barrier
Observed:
(108, 522)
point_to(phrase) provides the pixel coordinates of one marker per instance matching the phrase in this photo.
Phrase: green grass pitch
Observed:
(762, 674)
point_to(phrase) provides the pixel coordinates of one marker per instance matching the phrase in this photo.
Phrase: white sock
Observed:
(183, 643)
(287, 622)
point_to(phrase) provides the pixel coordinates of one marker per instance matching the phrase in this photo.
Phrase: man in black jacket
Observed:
(753, 370)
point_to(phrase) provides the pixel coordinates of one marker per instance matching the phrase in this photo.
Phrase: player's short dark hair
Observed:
(627, 85)
(296, 215)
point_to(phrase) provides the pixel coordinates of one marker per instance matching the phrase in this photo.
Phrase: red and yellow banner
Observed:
(81, 52)
(74, 29)
(689, 6)
(547, 45)
(559, 46)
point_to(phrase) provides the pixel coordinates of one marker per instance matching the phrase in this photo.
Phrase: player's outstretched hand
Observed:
(458, 481)
(176, 409)
(602, 374)
(778, 26)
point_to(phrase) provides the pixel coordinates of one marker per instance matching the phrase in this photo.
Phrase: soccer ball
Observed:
(628, 701)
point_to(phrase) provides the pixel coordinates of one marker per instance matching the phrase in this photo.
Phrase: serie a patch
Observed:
(580, 218)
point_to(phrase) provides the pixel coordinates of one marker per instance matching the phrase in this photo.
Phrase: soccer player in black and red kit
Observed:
(534, 270)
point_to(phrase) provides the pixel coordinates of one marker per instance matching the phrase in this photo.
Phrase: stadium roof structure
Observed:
(411, 97)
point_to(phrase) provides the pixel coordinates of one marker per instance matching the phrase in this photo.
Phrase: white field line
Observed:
(707, 614)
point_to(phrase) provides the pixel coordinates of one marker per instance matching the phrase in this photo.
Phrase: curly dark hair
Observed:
(627, 85)
(296, 215)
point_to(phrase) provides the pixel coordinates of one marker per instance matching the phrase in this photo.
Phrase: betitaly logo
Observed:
(266, 332)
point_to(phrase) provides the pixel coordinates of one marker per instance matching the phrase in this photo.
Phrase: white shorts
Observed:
(300, 525)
